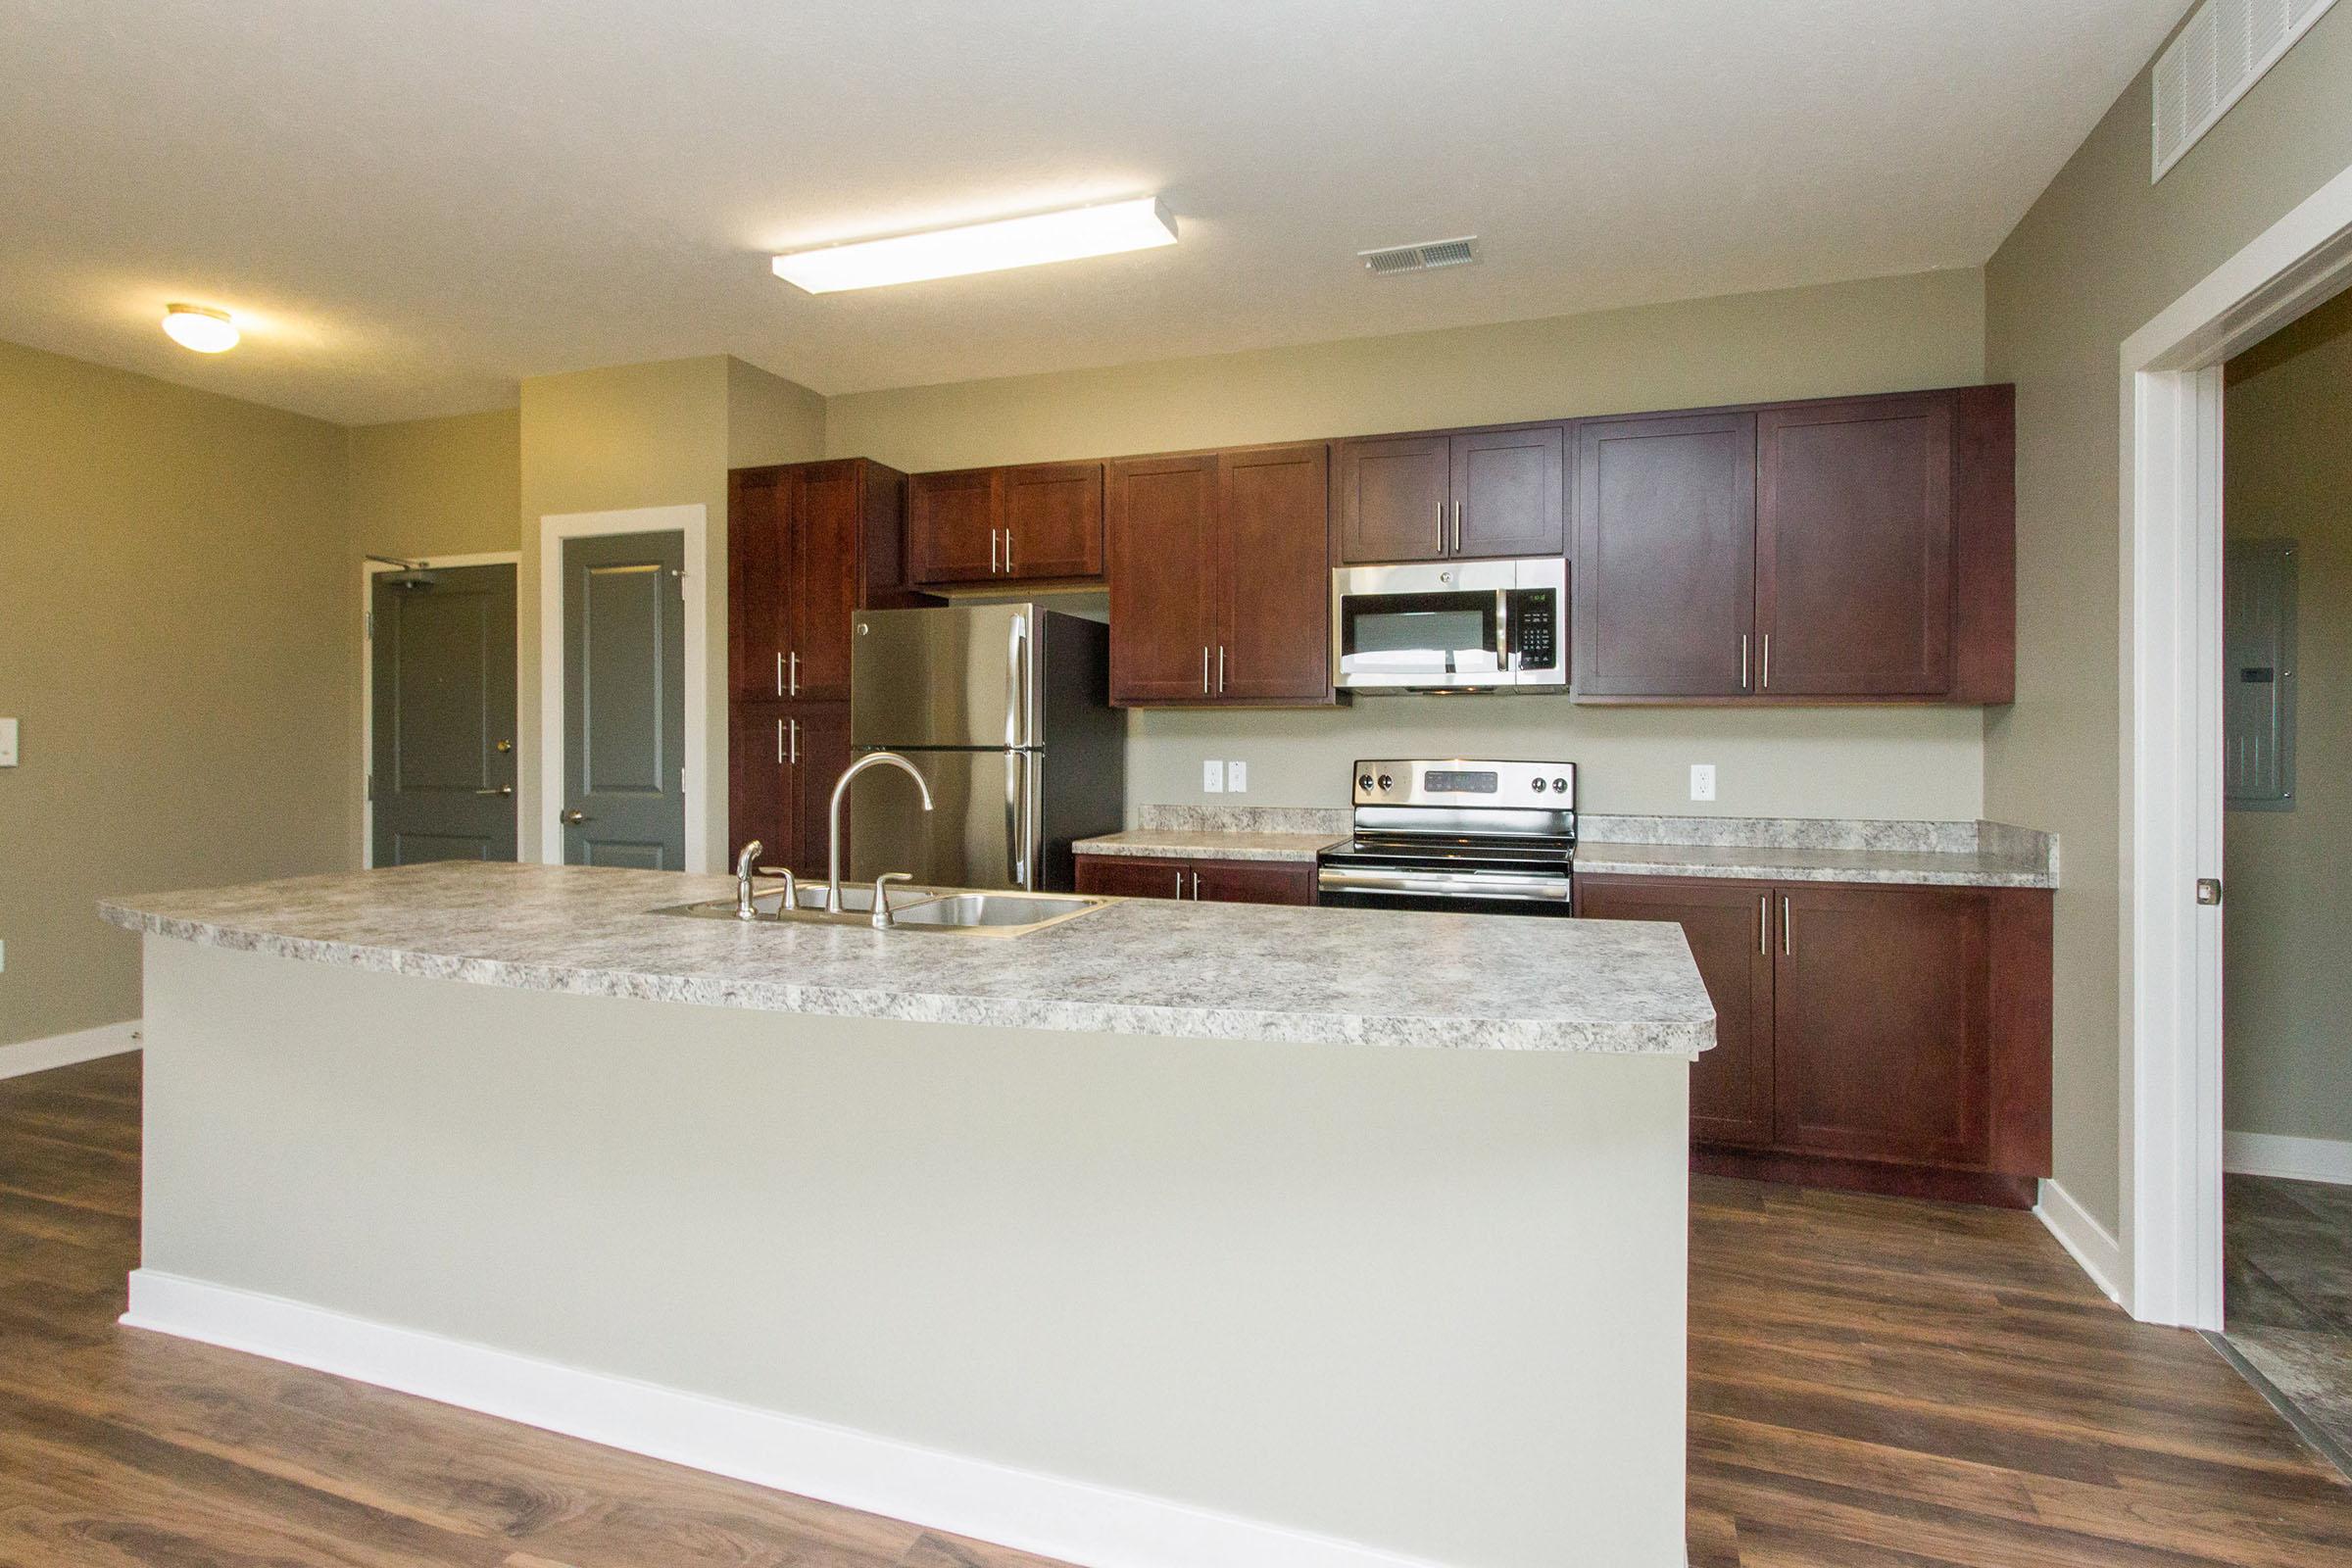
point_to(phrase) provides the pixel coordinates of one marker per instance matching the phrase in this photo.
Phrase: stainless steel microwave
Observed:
(1450, 625)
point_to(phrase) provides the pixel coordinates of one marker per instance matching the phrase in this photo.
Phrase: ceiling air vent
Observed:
(1424, 255)
(2216, 60)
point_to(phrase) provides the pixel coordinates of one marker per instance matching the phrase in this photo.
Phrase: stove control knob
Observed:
(1387, 782)
(1560, 784)
(1364, 782)
(1539, 786)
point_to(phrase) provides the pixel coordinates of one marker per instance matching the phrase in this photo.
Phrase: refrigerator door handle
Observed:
(1016, 683)
(1016, 819)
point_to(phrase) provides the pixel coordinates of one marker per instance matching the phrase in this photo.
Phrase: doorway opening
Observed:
(437, 711)
(2286, 837)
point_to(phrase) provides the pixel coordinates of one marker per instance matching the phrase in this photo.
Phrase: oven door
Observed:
(1418, 627)
(1452, 890)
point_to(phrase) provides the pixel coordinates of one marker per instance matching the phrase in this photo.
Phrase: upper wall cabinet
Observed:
(1221, 578)
(1857, 550)
(807, 544)
(1432, 497)
(1034, 523)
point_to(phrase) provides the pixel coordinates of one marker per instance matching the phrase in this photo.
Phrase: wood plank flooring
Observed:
(1874, 1382)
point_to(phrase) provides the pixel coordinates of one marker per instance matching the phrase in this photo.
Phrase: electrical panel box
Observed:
(2258, 677)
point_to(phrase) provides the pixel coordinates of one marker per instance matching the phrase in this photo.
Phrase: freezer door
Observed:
(982, 831)
(944, 677)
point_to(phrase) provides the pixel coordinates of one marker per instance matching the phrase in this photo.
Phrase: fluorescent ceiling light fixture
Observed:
(992, 246)
(200, 327)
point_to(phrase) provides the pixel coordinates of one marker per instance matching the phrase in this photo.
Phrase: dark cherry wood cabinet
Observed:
(1892, 1039)
(1854, 548)
(808, 545)
(1728, 925)
(1136, 876)
(1497, 492)
(1665, 563)
(1219, 580)
(782, 762)
(1842, 550)
(1039, 523)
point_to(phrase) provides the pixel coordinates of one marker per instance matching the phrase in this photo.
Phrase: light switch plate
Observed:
(1702, 781)
(1236, 778)
(1212, 778)
(8, 742)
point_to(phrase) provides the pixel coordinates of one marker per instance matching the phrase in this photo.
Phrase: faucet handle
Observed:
(884, 920)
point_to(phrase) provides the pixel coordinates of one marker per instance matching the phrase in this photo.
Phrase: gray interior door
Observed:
(624, 701)
(441, 773)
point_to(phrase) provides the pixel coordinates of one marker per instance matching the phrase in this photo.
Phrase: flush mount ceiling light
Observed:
(200, 327)
(992, 247)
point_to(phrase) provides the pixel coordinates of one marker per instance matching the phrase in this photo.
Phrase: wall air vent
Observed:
(2214, 61)
(1422, 257)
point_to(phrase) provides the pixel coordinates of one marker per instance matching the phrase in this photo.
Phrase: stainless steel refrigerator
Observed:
(1006, 711)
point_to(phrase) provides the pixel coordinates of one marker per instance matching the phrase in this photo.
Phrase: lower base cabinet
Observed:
(782, 765)
(1893, 1039)
(1135, 876)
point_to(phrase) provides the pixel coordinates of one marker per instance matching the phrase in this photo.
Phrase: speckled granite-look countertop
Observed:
(1229, 972)
(1211, 844)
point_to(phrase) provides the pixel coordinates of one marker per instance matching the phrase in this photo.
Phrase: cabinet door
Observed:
(759, 801)
(1053, 517)
(759, 582)
(1133, 876)
(818, 746)
(1273, 579)
(1395, 498)
(1162, 527)
(826, 517)
(1509, 494)
(1854, 548)
(953, 527)
(1881, 1019)
(1665, 555)
(1253, 882)
(1730, 928)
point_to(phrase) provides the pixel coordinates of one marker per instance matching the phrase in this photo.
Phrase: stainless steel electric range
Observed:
(1472, 837)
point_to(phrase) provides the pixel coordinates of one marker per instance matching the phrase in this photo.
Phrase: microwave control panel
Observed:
(1535, 627)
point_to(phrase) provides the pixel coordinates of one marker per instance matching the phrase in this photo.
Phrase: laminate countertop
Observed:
(1171, 844)
(1143, 967)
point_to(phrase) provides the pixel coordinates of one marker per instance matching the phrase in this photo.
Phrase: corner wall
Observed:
(175, 643)
(2100, 253)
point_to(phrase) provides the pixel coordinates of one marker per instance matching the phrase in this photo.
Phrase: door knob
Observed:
(503, 789)
(575, 815)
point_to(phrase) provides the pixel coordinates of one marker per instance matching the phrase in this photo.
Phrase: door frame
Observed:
(2171, 806)
(692, 524)
(368, 574)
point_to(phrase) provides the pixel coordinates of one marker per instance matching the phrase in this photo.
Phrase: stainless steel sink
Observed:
(1007, 914)
(1003, 914)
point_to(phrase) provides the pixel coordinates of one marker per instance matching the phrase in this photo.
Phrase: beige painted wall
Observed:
(2099, 254)
(648, 435)
(175, 643)
(2287, 1027)
(1882, 334)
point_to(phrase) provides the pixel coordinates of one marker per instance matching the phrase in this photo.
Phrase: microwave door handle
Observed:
(1506, 635)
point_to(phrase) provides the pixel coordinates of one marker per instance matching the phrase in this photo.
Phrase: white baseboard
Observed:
(63, 1050)
(2302, 1160)
(2085, 1239)
(1073, 1520)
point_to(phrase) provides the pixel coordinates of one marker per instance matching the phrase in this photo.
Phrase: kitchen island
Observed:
(1171, 1234)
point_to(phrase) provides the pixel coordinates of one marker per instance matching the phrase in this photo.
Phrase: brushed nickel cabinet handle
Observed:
(992, 551)
(795, 757)
(779, 743)
(1180, 884)
(1457, 527)
(793, 682)
(1764, 925)
(1196, 887)
(1767, 681)
(1441, 522)
(1220, 669)
(1009, 552)
(1204, 669)
(1744, 660)
(779, 673)
(1788, 928)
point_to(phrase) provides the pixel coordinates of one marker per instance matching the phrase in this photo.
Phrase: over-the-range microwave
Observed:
(1450, 625)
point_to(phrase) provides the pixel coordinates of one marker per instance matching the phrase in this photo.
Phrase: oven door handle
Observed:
(1552, 888)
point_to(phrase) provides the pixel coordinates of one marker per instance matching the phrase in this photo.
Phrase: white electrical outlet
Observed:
(8, 742)
(1212, 778)
(1236, 778)
(1702, 781)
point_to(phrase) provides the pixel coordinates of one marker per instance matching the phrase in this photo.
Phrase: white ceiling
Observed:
(411, 204)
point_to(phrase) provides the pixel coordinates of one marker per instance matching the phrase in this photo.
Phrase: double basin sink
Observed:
(1006, 915)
